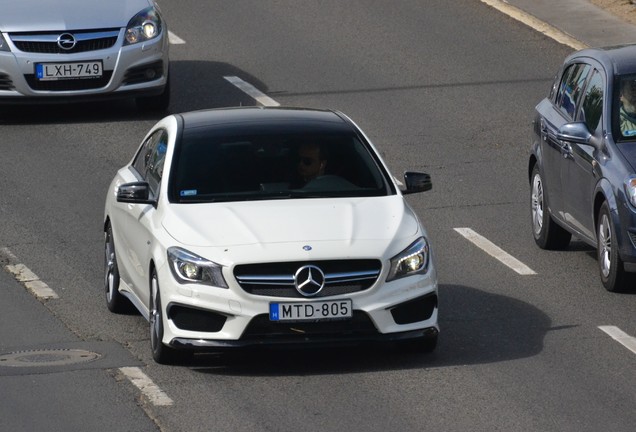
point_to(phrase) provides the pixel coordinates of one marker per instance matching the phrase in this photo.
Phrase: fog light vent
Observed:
(419, 309)
(191, 319)
(144, 73)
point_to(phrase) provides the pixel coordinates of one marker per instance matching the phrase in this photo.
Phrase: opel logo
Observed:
(309, 280)
(66, 41)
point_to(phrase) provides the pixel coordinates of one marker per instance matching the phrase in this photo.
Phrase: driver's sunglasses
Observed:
(308, 161)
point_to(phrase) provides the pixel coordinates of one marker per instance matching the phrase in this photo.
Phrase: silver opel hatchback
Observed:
(79, 50)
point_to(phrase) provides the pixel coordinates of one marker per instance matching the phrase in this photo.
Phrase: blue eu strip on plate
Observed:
(273, 312)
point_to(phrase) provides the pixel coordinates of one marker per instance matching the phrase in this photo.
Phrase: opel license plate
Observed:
(311, 311)
(63, 71)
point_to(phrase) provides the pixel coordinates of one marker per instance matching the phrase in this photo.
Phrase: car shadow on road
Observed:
(476, 327)
(195, 85)
(577, 246)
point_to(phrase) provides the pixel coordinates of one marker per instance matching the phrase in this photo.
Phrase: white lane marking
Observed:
(148, 388)
(31, 281)
(621, 337)
(174, 39)
(252, 91)
(535, 23)
(495, 251)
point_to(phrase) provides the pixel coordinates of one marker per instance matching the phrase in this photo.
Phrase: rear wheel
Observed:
(547, 233)
(161, 353)
(115, 301)
(613, 275)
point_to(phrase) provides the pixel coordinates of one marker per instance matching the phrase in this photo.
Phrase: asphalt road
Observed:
(442, 87)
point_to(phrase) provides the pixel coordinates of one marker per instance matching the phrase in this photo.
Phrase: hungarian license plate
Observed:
(311, 311)
(64, 71)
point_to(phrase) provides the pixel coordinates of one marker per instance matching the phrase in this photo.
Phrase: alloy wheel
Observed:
(605, 245)
(109, 282)
(155, 315)
(537, 204)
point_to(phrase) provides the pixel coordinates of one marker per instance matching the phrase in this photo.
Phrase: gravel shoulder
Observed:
(624, 9)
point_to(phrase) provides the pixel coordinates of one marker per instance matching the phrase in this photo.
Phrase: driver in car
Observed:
(312, 161)
(628, 108)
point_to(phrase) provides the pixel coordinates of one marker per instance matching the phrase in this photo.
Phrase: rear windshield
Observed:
(242, 167)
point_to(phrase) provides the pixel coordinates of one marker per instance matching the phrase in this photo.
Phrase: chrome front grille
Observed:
(277, 279)
(47, 42)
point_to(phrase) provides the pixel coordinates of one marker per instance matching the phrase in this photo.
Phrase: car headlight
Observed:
(187, 267)
(3, 43)
(630, 189)
(144, 26)
(412, 260)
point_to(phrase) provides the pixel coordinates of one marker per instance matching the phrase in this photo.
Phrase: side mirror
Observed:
(575, 132)
(134, 193)
(417, 182)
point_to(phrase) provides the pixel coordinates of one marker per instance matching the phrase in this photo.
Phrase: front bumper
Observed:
(124, 73)
(208, 318)
(311, 340)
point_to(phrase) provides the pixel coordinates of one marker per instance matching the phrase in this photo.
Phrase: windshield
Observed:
(241, 168)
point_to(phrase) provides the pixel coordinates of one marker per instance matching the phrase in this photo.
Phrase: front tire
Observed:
(613, 275)
(420, 345)
(547, 233)
(159, 103)
(161, 353)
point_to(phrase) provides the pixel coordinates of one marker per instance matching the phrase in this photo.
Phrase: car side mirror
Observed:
(575, 132)
(417, 182)
(134, 193)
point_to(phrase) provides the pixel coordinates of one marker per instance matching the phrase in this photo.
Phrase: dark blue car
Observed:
(581, 167)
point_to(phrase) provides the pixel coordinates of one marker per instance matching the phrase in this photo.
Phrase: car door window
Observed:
(592, 106)
(562, 85)
(625, 106)
(149, 161)
(571, 88)
(141, 160)
(554, 88)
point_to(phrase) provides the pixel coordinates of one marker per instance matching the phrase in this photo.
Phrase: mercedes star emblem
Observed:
(309, 280)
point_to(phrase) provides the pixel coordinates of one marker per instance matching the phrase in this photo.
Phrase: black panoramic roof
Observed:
(258, 118)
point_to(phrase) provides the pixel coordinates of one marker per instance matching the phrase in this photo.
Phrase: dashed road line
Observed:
(621, 337)
(25, 276)
(174, 39)
(495, 251)
(41, 290)
(148, 388)
(252, 91)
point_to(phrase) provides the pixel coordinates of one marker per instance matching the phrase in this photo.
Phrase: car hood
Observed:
(341, 221)
(55, 15)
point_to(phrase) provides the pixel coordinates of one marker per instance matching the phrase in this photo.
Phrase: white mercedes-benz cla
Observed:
(78, 50)
(267, 226)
